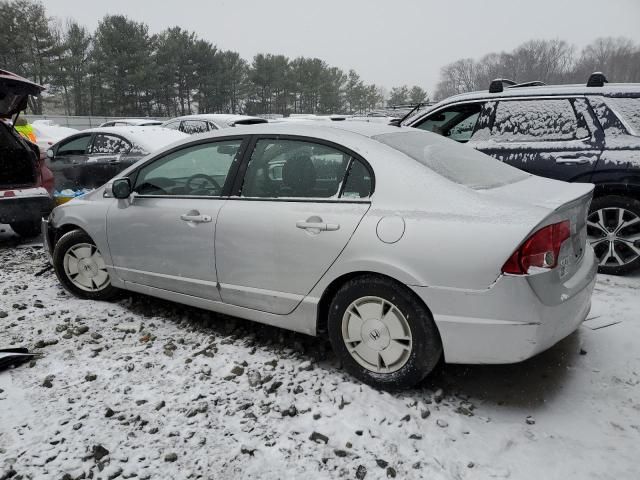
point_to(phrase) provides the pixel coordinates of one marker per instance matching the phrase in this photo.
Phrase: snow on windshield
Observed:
(628, 111)
(456, 162)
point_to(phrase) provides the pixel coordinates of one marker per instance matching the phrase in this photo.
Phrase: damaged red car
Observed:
(26, 184)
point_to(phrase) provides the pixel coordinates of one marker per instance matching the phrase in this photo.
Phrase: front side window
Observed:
(172, 125)
(534, 120)
(456, 123)
(76, 146)
(194, 126)
(109, 144)
(200, 170)
(302, 169)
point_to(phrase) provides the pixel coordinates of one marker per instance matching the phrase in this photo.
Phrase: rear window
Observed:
(628, 111)
(454, 161)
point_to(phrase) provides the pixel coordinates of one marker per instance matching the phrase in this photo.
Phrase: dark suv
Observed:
(26, 183)
(575, 133)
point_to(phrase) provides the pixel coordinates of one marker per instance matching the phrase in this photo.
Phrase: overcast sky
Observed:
(387, 42)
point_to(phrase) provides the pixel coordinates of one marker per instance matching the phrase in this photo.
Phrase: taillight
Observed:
(540, 250)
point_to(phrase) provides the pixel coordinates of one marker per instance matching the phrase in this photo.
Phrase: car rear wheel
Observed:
(27, 229)
(80, 267)
(383, 333)
(613, 229)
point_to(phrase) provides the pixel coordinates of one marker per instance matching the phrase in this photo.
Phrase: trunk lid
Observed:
(564, 201)
(14, 91)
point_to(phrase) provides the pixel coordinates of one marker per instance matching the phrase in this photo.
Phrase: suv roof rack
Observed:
(597, 79)
(499, 84)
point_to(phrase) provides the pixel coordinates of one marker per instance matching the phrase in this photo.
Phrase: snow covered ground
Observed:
(147, 389)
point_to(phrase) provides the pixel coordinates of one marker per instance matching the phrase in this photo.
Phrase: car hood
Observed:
(14, 91)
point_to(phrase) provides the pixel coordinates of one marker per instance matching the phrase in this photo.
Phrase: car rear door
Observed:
(163, 235)
(291, 216)
(552, 137)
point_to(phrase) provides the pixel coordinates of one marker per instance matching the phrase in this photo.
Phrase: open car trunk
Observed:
(17, 161)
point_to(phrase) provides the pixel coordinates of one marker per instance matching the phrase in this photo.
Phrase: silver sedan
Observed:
(402, 246)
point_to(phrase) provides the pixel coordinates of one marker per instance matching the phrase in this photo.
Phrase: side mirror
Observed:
(50, 153)
(121, 188)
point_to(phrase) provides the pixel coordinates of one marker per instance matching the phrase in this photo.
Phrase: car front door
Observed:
(551, 137)
(69, 158)
(163, 235)
(291, 215)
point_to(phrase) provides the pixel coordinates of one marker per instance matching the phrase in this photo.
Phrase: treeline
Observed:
(122, 69)
(550, 61)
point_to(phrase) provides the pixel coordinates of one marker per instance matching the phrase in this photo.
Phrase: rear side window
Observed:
(534, 120)
(109, 144)
(628, 111)
(193, 127)
(302, 169)
(454, 161)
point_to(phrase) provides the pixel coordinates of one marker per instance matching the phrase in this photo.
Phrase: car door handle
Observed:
(195, 217)
(325, 227)
(572, 161)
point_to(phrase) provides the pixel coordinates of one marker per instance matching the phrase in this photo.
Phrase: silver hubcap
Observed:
(85, 267)
(377, 334)
(614, 234)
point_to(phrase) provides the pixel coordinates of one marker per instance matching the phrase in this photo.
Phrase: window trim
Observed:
(236, 192)
(231, 176)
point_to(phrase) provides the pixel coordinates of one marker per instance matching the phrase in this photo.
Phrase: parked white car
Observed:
(132, 122)
(207, 122)
(403, 246)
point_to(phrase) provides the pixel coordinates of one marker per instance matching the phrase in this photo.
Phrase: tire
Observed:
(27, 229)
(393, 350)
(613, 229)
(76, 251)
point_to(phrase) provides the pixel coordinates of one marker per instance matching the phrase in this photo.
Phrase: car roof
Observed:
(134, 120)
(149, 138)
(609, 90)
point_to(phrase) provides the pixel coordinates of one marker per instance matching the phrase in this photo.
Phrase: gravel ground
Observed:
(142, 388)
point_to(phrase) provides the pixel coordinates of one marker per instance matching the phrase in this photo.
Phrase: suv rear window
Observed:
(534, 120)
(454, 161)
(628, 111)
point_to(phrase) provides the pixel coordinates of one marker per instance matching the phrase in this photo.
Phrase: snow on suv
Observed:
(576, 133)
(25, 181)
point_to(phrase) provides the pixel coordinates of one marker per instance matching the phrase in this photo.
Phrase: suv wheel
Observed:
(613, 229)
(80, 267)
(27, 229)
(383, 333)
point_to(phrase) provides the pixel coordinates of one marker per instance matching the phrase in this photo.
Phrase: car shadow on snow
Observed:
(523, 385)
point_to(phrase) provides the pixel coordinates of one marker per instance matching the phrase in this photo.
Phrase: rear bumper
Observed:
(25, 205)
(509, 322)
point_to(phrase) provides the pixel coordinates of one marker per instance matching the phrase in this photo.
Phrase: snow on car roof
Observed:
(148, 139)
(609, 90)
(218, 117)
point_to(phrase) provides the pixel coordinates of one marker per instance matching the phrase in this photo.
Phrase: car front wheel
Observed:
(613, 229)
(383, 333)
(80, 267)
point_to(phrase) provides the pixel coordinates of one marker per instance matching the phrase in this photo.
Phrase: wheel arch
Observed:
(322, 311)
(619, 189)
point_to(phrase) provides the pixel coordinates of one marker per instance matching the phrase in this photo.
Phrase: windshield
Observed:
(456, 162)
(628, 110)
